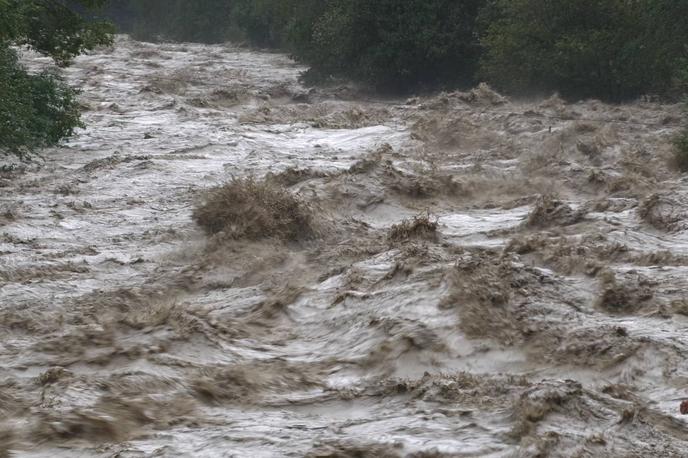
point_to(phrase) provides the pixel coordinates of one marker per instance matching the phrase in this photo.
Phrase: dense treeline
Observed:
(609, 49)
(395, 45)
(612, 49)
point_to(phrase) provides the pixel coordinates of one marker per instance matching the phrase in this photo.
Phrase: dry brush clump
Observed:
(549, 210)
(420, 227)
(248, 209)
(481, 291)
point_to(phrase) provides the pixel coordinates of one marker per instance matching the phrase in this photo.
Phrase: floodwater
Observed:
(543, 313)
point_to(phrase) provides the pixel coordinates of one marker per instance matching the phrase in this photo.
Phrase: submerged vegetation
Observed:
(254, 210)
(421, 227)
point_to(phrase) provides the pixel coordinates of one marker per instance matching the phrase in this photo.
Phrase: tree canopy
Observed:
(611, 49)
(39, 110)
(608, 49)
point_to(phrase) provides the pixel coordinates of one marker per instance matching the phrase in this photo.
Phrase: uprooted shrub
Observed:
(249, 209)
(549, 210)
(418, 227)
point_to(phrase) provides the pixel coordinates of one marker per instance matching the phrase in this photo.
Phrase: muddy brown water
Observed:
(540, 309)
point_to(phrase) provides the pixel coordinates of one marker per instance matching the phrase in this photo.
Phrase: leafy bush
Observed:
(209, 21)
(395, 45)
(263, 23)
(39, 110)
(35, 110)
(609, 49)
(54, 29)
(387, 43)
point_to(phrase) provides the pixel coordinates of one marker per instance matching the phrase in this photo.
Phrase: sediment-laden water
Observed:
(483, 276)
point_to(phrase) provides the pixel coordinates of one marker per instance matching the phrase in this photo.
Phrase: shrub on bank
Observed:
(209, 21)
(35, 110)
(38, 110)
(607, 49)
(395, 46)
(610, 49)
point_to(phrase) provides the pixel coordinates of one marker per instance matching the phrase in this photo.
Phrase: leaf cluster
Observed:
(38, 110)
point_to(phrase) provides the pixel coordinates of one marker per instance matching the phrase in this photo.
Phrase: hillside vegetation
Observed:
(608, 49)
(612, 50)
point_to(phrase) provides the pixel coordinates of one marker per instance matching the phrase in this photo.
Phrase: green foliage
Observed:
(207, 21)
(39, 110)
(35, 110)
(681, 139)
(263, 22)
(610, 49)
(395, 45)
(52, 28)
(389, 44)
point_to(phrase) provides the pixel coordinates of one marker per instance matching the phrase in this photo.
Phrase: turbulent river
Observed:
(488, 277)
